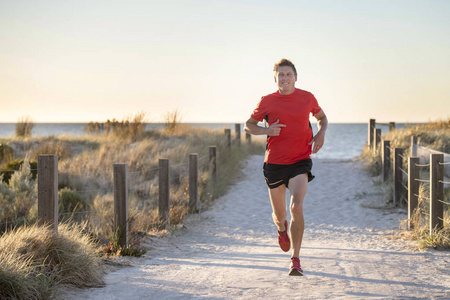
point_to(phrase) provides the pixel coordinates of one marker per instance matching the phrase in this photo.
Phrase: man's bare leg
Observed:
(297, 187)
(278, 201)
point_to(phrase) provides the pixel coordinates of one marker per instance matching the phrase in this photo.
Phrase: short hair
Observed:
(284, 62)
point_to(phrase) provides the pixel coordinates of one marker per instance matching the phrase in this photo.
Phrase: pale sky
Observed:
(81, 61)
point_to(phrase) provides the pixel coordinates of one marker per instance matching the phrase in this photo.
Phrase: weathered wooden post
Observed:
(213, 161)
(413, 145)
(413, 187)
(377, 137)
(193, 182)
(237, 129)
(436, 191)
(48, 191)
(398, 185)
(248, 138)
(391, 126)
(228, 137)
(164, 195)
(370, 135)
(121, 203)
(386, 159)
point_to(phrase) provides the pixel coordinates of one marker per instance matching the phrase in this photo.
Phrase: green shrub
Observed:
(6, 153)
(14, 165)
(70, 201)
(18, 197)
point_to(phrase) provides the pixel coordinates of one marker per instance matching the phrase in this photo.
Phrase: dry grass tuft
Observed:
(52, 146)
(35, 260)
(172, 120)
(24, 127)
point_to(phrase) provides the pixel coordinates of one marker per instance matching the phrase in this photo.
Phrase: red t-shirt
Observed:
(293, 111)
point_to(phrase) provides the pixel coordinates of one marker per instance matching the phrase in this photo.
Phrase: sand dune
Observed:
(230, 251)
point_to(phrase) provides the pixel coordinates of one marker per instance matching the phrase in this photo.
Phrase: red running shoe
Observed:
(283, 238)
(295, 269)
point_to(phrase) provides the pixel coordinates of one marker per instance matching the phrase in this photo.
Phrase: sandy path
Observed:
(230, 252)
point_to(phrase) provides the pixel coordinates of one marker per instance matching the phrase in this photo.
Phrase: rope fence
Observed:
(404, 172)
(422, 180)
(422, 166)
(392, 160)
(448, 203)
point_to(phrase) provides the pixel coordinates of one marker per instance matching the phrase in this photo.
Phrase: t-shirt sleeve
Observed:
(260, 111)
(315, 108)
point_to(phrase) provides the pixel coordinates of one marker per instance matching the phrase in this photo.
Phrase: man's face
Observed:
(285, 79)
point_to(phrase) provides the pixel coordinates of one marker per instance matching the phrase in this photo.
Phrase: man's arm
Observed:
(252, 127)
(319, 138)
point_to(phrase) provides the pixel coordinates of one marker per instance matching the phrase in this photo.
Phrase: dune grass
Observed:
(434, 135)
(131, 127)
(86, 197)
(24, 127)
(34, 260)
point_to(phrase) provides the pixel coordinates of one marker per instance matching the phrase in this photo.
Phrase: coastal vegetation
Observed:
(34, 261)
(86, 201)
(434, 135)
(24, 127)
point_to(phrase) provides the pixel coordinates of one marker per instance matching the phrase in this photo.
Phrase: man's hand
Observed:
(275, 128)
(318, 141)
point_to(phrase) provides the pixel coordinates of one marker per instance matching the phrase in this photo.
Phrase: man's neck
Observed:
(286, 92)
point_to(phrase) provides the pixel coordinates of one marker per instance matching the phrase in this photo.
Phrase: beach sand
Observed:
(231, 250)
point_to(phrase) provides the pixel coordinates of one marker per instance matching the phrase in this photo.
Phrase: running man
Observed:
(287, 163)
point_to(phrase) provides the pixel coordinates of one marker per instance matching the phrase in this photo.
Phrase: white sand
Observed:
(231, 251)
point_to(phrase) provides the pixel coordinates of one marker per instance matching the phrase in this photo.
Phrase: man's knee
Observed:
(296, 210)
(279, 216)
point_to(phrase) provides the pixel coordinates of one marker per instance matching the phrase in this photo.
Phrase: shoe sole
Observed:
(295, 272)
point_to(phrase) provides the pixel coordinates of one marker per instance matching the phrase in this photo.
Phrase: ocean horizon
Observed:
(342, 141)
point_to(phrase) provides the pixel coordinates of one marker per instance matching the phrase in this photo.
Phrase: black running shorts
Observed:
(277, 175)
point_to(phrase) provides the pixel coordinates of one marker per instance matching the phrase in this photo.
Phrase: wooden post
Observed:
(377, 137)
(228, 137)
(370, 136)
(413, 187)
(121, 203)
(237, 129)
(414, 145)
(436, 191)
(398, 185)
(248, 138)
(193, 182)
(48, 191)
(213, 161)
(386, 159)
(391, 126)
(164, 195)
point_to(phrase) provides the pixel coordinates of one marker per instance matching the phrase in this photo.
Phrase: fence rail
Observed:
(374, 134)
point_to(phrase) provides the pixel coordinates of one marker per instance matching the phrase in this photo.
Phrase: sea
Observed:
(342, 141)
